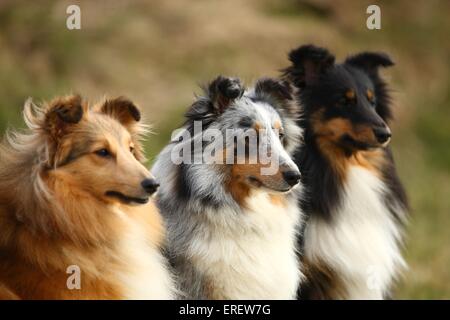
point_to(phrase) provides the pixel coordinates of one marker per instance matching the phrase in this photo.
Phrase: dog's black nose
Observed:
(291, 177)
(150, 185)
(382, 134)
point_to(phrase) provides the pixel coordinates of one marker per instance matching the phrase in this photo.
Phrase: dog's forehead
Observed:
(352, 77)
(257, 109)
(101, 124)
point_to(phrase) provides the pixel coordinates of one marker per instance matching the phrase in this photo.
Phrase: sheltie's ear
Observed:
(370, 61)
(57, 119)
(223, 91)
(123, 110)
(219, 95)
(128, 114)
(279, 93)
(308, 63)
(61, 114)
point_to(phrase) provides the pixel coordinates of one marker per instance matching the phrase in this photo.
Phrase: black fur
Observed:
(280, 94)
(219, 95)
(322, 84)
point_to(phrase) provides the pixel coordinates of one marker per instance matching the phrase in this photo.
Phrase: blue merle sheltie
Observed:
(354, 202)
(231, 227)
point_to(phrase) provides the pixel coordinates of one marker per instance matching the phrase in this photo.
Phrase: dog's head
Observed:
(347, 104)
(94, 149)
(259, 131)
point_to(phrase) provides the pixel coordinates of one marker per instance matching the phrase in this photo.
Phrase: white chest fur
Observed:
(253, 255)
(145, 275)
(361, 242)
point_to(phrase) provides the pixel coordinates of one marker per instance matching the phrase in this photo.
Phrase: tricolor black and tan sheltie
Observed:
(355, 203)
(74, 193)
(232, 228)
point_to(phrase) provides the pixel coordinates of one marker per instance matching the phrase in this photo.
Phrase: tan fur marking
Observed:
(278, 200)
(350, 94)
(210, 290)
(323, 283)
(364, 133)
(369, 94)
(372, 160)
(328, 134)
(258, 126)
(277, 125)
(238, 186)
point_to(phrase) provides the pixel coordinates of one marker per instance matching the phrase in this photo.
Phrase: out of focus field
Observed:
(157, 52)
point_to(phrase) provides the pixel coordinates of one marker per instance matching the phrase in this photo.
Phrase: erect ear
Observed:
(370, 61)
(121, 109)
(223, 91)
(61, 114)
(279, 92)
(308, 63)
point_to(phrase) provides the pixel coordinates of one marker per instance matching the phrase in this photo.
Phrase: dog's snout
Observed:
(150, 185)
(291, 177)
(382, 134)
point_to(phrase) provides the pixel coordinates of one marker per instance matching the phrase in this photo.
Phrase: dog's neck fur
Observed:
(48, 225)
(221, 249)
(43, 204)
(244, 252)
(352, 227)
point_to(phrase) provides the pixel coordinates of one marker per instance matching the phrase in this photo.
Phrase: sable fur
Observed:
(55, 211)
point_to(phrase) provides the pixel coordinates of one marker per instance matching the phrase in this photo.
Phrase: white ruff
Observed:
(145, 276)
(253, 256)
(360, 244)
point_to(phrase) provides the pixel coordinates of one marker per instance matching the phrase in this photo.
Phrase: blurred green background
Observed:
(157, 52)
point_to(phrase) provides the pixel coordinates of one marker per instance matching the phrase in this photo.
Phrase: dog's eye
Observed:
(131, 149)
(370, 96)
(281, 135)
(103, 153)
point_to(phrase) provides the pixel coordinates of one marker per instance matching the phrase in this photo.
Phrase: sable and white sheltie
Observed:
(74, 195)
(231, 228)
(355, 203)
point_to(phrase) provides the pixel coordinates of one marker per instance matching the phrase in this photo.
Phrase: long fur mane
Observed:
(49, 209)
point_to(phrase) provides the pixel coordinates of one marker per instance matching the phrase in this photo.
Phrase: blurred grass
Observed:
(157, 53)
